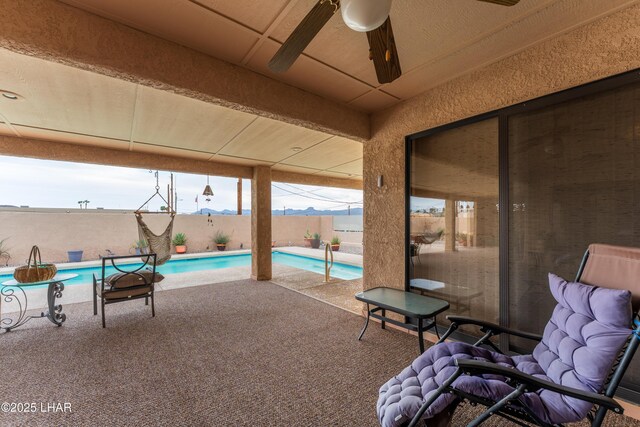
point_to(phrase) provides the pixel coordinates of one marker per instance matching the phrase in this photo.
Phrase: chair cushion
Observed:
(126, 293)
(588, 328)
(402, 396)
(126, 280)
(585, 334)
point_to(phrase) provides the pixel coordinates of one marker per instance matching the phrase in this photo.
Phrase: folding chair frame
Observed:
(149, 260)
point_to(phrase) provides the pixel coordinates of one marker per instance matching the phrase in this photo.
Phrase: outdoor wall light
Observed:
(380, 181)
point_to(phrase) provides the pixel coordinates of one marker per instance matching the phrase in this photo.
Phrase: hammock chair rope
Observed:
(158, 244)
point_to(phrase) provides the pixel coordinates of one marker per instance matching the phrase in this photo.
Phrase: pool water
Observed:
(340, 271)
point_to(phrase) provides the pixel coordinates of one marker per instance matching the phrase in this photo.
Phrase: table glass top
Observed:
(56, 278)
(404, 302)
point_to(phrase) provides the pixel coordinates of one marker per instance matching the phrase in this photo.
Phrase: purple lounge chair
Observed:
(572, 373)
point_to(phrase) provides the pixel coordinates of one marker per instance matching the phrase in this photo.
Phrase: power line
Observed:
(308, 191)
(302, 192)
(342, 202)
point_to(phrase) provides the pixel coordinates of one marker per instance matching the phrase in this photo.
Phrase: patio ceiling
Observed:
(437, 40)
(90, 107)
(66, 104)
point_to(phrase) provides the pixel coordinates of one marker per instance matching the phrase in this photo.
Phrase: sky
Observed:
(419, 203)
(53, 184)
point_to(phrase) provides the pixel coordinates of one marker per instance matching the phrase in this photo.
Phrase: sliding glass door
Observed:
(574, 179)
(499, 201)
(454, 218)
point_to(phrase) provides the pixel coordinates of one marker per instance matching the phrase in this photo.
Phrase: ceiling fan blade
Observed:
(303, 34)
(502, 2)
(383, 52)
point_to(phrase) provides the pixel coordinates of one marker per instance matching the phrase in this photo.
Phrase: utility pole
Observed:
(284, 211)
(348, 210)
(239, 196)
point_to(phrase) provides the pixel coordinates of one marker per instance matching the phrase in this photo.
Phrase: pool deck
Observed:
(337, 292)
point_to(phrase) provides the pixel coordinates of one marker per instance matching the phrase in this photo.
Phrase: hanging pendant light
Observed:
(207, 190)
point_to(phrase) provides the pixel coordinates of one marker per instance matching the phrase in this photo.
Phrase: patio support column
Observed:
(450, 225)
(261, 223)
(239, 196)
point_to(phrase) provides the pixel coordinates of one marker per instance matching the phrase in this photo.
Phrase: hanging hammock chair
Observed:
(157, 244)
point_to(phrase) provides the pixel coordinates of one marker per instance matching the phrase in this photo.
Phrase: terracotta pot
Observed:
(335, 247)
(273, 244)
(180, 249)
(221, 246)
(307, 242)
(315, 243)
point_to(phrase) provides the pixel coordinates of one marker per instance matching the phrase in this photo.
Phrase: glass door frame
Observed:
(503, 116)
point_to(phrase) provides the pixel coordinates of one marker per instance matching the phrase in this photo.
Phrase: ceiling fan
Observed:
(370, 16)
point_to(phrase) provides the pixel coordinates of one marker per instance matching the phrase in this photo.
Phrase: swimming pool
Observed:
(176, 266)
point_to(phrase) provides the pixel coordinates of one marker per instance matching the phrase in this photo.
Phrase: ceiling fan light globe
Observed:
(364, 15)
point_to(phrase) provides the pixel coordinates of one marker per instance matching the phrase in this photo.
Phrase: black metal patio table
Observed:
(411, 305)
(8, 295)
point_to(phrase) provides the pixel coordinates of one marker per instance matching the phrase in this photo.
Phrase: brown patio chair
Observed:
(129, 281)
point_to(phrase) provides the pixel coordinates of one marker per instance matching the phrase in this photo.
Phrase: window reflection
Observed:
(453, 240)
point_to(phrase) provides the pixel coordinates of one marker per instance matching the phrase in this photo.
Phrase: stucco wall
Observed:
(602, 48)
(57, 233)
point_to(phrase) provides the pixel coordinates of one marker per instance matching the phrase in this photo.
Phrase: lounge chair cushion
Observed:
(586, 332)
(588, 328)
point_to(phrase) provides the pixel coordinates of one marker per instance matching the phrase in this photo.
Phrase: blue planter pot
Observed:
(75, 256)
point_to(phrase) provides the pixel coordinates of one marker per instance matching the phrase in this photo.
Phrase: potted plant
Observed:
(315, 242)
(307, 238)
(335, 243)
(75, 256)
(461, 238)
(221, 239)
(180, 242)
(140, 247)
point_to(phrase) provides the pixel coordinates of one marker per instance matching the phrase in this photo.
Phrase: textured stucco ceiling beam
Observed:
(52, 150)
(57, 32)
(325, 181)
